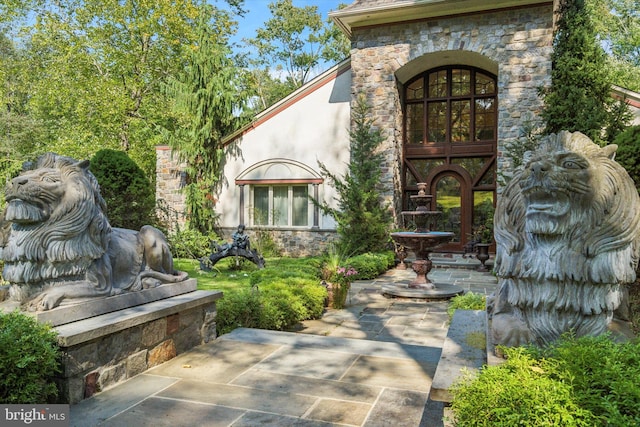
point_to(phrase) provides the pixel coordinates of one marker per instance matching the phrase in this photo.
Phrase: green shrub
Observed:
(585, 381)
(276, 304)
(628, 153)
(238, 310)
(519, 392)
(29, 360)
(604, 375)
(371, 265)
(466, 301)
(190, 243)
(129, 195)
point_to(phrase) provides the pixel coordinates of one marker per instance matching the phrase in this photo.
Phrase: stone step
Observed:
(465, 347)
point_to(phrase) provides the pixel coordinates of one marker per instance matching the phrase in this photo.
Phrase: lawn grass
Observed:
(227, 277)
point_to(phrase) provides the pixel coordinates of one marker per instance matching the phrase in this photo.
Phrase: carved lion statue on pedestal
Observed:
(57, 244)
(567, 232)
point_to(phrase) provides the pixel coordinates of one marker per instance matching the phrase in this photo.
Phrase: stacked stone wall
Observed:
(170, 180)
(291, 242)
(518, 40)
(97, 364)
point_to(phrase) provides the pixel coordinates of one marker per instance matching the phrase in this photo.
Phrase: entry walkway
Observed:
(370, 364)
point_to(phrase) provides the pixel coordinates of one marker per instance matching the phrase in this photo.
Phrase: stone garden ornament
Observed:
(567, 233)
(57, 244)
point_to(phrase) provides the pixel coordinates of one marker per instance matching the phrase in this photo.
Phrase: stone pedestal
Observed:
(104, 350)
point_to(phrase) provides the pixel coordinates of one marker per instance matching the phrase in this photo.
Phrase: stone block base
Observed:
(105, 350)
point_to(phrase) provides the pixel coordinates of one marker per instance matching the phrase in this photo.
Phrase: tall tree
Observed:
(618, 24)
(208, 97)
(362, 217)
(94, 69)
(289, 49)
(579, 97)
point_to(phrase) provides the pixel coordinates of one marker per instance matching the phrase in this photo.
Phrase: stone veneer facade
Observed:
(292, 242)
(517, 41)
(170, 180)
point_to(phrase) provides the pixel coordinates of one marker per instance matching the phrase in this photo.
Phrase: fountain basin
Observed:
(421, 243)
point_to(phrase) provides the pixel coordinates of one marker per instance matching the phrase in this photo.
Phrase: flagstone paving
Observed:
(370, 364)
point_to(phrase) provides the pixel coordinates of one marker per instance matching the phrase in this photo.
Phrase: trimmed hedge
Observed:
(278, 305)
(371, 265)
(282, 296)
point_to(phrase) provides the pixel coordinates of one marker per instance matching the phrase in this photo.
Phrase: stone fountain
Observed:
(422, 242)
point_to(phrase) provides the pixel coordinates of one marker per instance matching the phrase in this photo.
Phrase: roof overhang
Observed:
(410, 10)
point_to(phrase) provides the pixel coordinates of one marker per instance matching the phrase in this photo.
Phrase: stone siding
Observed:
(294, 243)
(170, 180)
(518, 40)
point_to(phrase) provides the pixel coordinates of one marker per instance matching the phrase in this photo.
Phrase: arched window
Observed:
(451, 129)
(279, 191)
(451, 105)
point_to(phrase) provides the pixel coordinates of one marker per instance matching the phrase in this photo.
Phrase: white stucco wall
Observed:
(310, 126)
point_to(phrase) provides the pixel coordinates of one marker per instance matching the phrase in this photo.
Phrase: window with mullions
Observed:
(451, 105)
(281, 205)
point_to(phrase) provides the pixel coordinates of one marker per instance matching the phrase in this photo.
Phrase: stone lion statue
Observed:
(567, 233)
(57, 244)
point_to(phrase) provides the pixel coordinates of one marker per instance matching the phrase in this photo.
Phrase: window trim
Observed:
(290, 184)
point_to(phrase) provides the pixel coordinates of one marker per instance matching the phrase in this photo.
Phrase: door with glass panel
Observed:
(450, 139)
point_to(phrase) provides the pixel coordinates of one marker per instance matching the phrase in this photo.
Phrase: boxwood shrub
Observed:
(283, 295)
(29, 360)
(278, 304)
(371, 265)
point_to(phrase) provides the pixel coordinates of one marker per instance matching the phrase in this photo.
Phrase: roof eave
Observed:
(409, 10)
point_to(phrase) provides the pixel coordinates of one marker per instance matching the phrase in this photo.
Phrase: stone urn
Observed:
(482, 255)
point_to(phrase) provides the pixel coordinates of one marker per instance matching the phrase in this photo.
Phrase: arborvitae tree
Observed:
(208, 96)
(129, 195)
(579, 98)
(362, 217)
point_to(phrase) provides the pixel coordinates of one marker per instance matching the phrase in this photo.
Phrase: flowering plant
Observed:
(344, 275)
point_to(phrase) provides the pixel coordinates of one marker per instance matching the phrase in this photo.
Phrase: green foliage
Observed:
(579, 98)
(466, 301)
(618, 24)
(207, 97)
(190, 243)
(584, 381)
(129, 195)
(29, 360)
(363, 219)
(370, 265)
(276, 304)
(238, 309)
(628, 153)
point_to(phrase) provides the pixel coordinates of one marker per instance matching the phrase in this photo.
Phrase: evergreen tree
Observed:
(129, 195)
(579, 98)
(363, 220)
(208, 96)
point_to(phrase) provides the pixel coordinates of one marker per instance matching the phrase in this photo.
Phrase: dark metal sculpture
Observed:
(240, 246)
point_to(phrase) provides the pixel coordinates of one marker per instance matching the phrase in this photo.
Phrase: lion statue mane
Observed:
(567, 235)
(57, 244)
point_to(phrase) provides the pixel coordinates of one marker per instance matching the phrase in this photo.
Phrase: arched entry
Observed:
(450, 139)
